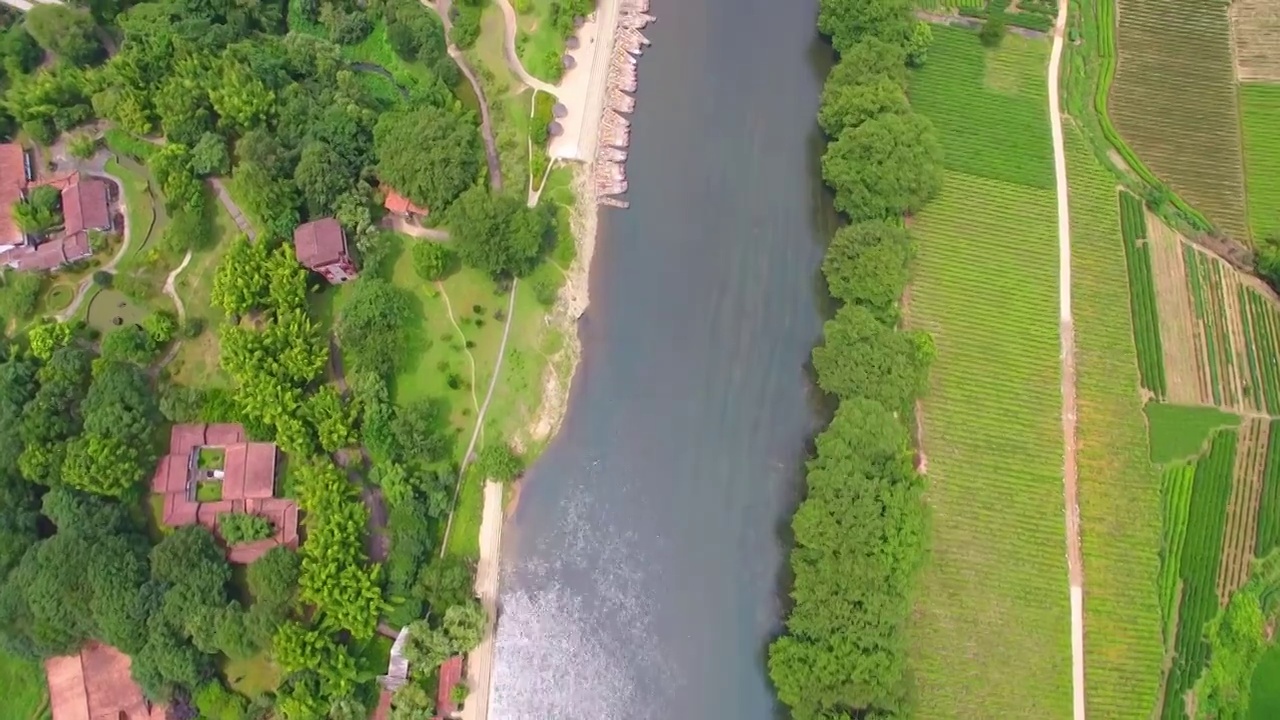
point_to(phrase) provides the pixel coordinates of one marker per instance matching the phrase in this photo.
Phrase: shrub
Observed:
(432, 261)
(82, 145)
(238, 528)
(499, 462)
(992, 31)
(102, 278)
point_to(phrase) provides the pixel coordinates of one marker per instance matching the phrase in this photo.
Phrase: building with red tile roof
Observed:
(246, 479)
(403, 206)
(95, 684)
(321, 245)
(86, 206)
(450, 676)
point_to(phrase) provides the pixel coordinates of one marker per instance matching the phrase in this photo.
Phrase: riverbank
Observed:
(570, 305)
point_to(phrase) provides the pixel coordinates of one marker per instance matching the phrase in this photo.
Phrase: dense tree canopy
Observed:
(428, 155)
(67, 32)
(866, 264)
(859, 530)
(888, 165)
(374, 325)
(499, 234)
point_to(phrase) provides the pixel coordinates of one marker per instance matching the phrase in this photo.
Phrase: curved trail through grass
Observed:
(471, 359)
(510, 22)
(171, 290)
(1070, 481)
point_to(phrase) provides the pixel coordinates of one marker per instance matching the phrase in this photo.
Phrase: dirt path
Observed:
(224, 197)
(510, 22)
(486, 125)
(172, 291)
(471, 359)
(1075, 558)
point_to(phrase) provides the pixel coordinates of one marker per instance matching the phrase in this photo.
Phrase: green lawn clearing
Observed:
(208, 491)
(1264, 693)
(251, 677)
(26, 697)
(109, 309)
(196, 363)
(1180, 433)
(1259, 118)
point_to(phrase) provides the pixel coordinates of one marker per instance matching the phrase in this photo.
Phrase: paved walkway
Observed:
(511, 24)
(399, 225)
(1070, 489)
(224, 197)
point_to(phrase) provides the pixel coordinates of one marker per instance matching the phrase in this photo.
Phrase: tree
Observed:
(241, 284)
(334, 419)
(236, 528)
(176, 173)
(858, 534)
(426, 647)
(499, 462)
(848, 21)
(273, 577)
(323, 177)
(848, 106)
(242, 101)
(38, 213)
(432, 261)
(862, 357)
(209, 156)
(886, 166)
(104, 465)
(373, 326)
(22, 291)
(47, 337)
(866, 264)
(992, 32)
(82, 146)
(464, 626)
(67, 32)
(411, 702)
(499, 235)
(429, 155)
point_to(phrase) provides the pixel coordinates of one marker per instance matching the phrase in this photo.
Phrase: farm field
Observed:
(1268, 535)
(1255, 26)
(1173, 102)
(966, 89)
(1219, 332)
(1264, 693)
(1259, 117)
(1193, 565)
(1119, 488)
(991, 637)
(1242, 508)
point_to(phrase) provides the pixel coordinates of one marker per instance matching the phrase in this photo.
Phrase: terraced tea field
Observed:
(1242, 509)
(1197, 553)
(1173, 101)
(1119, 488)
(1260, 120)
(1218, 332)
(991, 632)
(988, 106)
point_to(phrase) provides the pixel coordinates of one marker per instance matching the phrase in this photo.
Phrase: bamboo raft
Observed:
(610, 174)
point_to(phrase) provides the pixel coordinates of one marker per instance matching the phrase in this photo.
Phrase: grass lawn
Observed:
(539, 45)
(1180, 433)
(108, 304)
(992, 623)
(211, 458)
(208, 491)
(156, 529)
(56, 298)
(196, 363)
(1264, 693)
(509, 108)
(443, 370)
(252, 677)
(25, 692)
(1119, 488)
(464, 536)
(145, 211)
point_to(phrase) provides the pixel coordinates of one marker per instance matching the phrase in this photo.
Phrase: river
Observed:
(644, 568)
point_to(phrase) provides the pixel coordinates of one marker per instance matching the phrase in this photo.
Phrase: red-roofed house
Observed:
(86, 206)
(15, 173)
(322, 246)
(246, 482)
(95, 684)
(450, 676)
(404, 207)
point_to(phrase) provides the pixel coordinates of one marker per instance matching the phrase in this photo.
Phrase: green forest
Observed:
(279, 103)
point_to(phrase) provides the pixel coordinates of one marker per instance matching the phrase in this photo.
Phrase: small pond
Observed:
(110, 309)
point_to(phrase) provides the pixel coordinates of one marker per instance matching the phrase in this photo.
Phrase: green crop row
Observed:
(1176, 504)
(1198, 568)
(1257, 382)
(1142, 296)
(1219, 326)
(1190, 260)
(1268, 534)
(1264, 325)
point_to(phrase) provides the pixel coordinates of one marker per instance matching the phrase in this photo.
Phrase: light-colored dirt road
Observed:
(1070, 488)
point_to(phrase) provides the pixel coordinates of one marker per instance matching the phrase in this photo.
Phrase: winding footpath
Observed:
(510, 25)
(1066, 324)
(441, 8)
